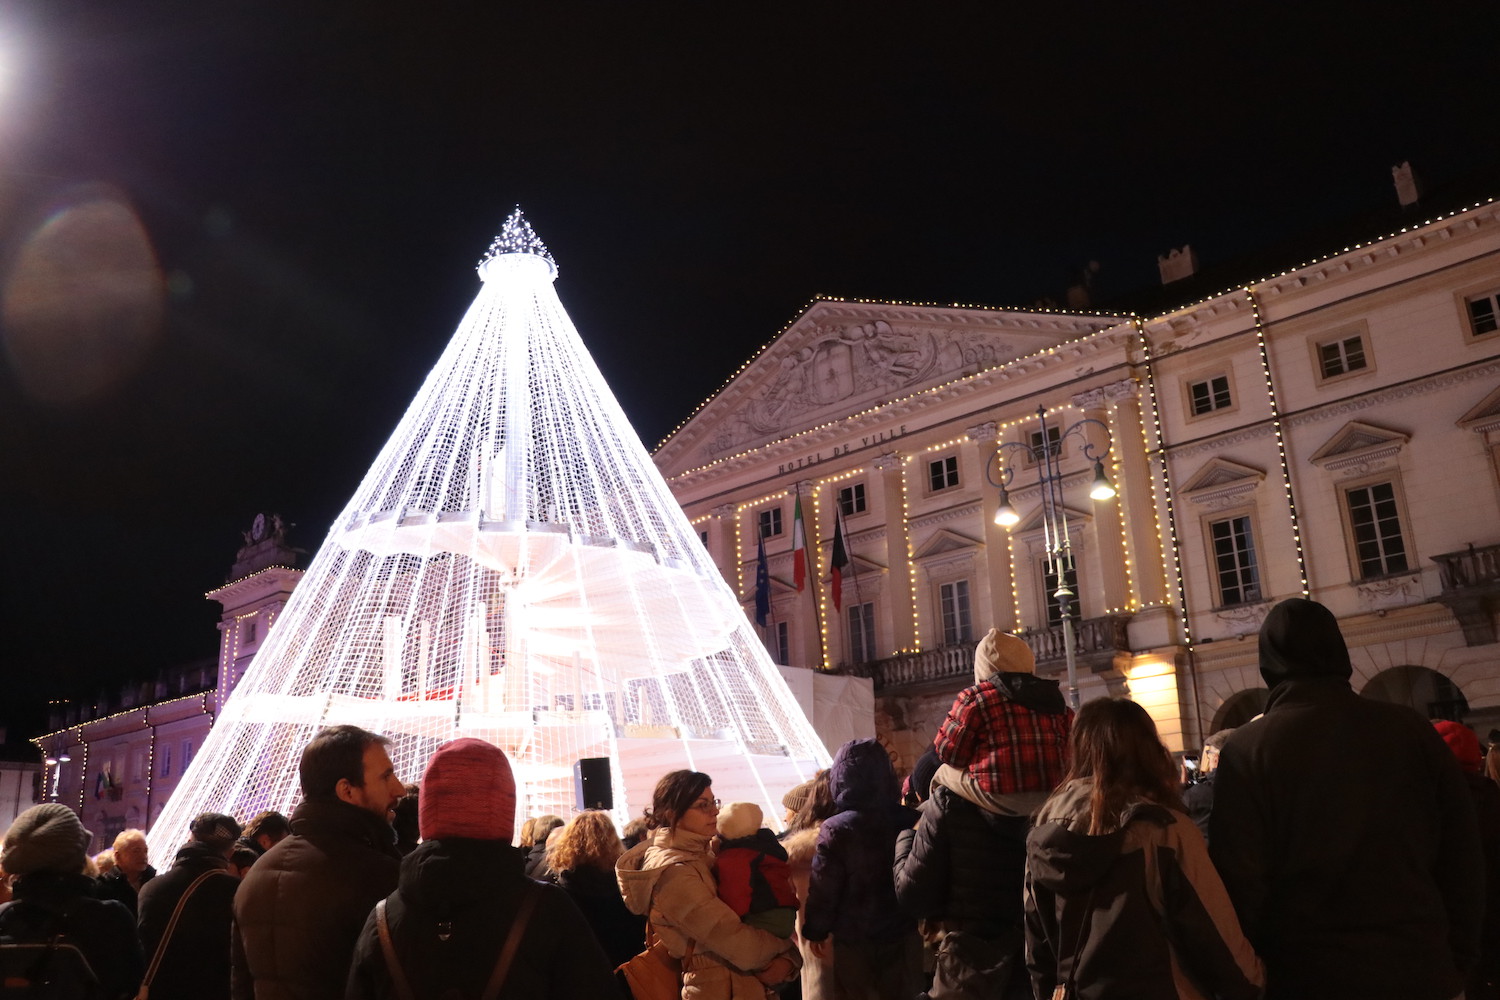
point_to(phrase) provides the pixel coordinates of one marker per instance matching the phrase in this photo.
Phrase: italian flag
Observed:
(799, 547)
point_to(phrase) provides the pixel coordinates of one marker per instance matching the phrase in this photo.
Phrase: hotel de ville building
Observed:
(1331, 430)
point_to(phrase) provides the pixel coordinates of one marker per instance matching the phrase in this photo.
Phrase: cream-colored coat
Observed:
(669, 878)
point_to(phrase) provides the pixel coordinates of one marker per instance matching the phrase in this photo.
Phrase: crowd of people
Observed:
(1336, 846)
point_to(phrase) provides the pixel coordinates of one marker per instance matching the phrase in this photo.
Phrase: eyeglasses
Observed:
(706, 805)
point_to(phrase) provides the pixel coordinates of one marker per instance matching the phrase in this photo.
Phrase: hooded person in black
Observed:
(1343, 831)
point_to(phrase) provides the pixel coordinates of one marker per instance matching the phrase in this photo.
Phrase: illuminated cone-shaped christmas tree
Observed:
(512, 568)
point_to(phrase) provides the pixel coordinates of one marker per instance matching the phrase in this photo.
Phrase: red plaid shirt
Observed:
(1007, 747)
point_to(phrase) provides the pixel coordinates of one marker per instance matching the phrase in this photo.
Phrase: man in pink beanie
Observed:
(463, 892)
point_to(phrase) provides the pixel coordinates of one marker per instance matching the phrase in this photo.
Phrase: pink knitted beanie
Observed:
(467, 791)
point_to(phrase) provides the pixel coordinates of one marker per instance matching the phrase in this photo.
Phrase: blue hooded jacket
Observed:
(851, 892)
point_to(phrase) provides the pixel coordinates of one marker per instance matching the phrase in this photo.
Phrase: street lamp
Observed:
(55, 765)
(1059, 548)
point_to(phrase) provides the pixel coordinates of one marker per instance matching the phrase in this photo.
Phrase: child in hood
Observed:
(754, 878)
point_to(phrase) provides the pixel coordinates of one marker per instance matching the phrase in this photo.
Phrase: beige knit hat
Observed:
(1000, 652)
(739, 819)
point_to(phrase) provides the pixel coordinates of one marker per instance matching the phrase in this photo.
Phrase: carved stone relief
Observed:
(1246, 619)
(1391, 591)
(839, 364)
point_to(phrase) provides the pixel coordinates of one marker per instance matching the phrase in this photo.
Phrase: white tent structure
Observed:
(513, 568)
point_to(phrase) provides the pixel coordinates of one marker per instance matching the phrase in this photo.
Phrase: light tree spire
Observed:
(517, 236)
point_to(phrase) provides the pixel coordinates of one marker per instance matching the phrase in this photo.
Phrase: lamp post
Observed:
(54, 765)
(1059, 548)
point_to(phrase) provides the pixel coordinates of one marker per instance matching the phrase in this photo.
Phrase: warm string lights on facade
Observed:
(819, 595)
(115, 715)
(911, 555)
(1315, 261)
(1132, 596)
(1171, 563)
(1277, 427)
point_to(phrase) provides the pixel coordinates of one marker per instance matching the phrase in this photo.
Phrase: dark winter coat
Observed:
(196, 962)
(1486, 797)
(117, 887)
(301, 906)
(1343, 830)
(962, 865)
(536, 863)
(470, 890)
(851, 893)
(1138, 913)
(1198, 801)
(103, 930)
(596, 893)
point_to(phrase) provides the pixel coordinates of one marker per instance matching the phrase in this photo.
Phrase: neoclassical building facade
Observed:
(116, 763)
(1330, 431)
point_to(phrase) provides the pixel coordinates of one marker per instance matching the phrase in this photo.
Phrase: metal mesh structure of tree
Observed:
(513, 568)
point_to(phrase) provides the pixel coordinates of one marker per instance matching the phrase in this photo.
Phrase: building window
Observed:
(1234, 560)
(138, 766)
(1484, 314)
(779, 643)
(1342, 356)
(1049, 594)
(1208, 395)
(187, 753)
(942, 473)
(953, 601)
(166, 762)
(770, 522)
(852, 500)
(862, 633)
(1053, 444)
(703, 538)
(251, 631)
(1376, 523)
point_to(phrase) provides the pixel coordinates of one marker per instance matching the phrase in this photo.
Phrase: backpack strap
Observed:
(166, 935)
(529, 896)
(392, 963)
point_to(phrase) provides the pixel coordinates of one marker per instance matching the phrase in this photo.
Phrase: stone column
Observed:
(723, 550)
(1137, 497)
(808, 616)
(897, 606)
(1000, 604)
(1108, 542)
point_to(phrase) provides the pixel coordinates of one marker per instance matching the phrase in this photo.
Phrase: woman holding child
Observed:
(669, 878)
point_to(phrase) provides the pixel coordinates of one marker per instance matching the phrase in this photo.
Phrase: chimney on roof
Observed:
(1177, 264)
(1080, 291)
(1408, 184)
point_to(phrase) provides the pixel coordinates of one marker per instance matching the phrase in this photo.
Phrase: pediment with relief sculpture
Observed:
(839, 358)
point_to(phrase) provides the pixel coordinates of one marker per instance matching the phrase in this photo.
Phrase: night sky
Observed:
(235, 236)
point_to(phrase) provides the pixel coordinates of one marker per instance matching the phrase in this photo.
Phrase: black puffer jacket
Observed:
(300, 908)
(102, 929)
(471, 889)
(596, 893)
(117, 887)
(962, 865)
(1344, 832)
(195, 965)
